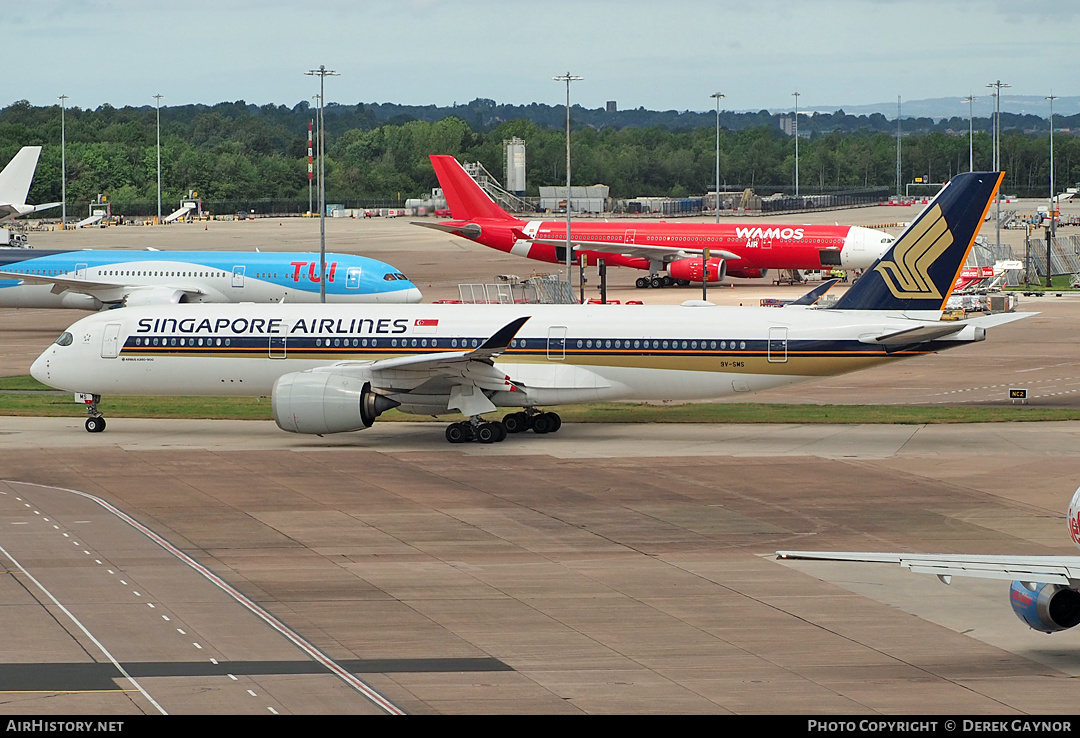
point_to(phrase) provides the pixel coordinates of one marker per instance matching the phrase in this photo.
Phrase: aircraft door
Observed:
(110, 341)
(629, 236)
(778, 345)
(277, 347)
(238, 276)
(352, 278)
(556, 343)
(80, 271)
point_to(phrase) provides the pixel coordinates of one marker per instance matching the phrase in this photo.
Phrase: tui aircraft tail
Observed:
(919, 271)
(465, 198)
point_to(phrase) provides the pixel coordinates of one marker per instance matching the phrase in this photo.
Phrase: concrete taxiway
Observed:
(605, 569)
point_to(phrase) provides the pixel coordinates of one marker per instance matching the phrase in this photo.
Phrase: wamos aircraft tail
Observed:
(919, 271)
(464, 197)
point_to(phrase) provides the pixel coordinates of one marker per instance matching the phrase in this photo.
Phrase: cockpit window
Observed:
(389, 277)
(402, 277)
(65, 339)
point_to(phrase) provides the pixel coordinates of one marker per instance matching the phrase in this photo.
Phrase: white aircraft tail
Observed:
(16, 177)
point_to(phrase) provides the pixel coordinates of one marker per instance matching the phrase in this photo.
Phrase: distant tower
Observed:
(515, 166)
(612, 107)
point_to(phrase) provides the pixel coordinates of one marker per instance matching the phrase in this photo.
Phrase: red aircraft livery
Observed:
(747, 250)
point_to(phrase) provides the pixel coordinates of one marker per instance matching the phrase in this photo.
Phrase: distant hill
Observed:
(948, 107)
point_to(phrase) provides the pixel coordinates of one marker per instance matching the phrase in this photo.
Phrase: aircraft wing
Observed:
(1064, 570)
(656, 253)
(94, 288)
(460, 374)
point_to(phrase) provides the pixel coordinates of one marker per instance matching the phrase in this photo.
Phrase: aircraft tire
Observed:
(457, 433)
(516, 422)
(542, 423)
(642, 282)
(670, 281)
(656, 282)
(95, 424)
(488, 433)
(555, 421)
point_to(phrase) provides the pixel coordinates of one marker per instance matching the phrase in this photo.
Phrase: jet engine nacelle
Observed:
(748, 273)
(326, 402)
(690, 269)
(155, 296)
(1048, 607)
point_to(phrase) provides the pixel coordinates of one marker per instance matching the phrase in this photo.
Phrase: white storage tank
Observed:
(515, 166)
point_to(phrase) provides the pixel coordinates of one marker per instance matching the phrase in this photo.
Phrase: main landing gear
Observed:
(96, 422)
(656, 281)
(492, 431)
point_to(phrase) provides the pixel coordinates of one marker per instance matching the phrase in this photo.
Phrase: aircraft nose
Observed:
(412, 295)
(39, 370)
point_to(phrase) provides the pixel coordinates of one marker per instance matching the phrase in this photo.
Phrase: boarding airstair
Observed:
(506, 200)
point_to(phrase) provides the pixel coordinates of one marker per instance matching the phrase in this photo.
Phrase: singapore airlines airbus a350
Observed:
(335, 368)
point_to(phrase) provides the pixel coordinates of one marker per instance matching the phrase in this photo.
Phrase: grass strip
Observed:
(26, 397)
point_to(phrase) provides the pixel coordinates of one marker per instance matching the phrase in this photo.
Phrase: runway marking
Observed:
(313, 652)
(86, 632)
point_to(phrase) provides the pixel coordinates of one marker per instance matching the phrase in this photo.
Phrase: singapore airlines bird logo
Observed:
(907, 275)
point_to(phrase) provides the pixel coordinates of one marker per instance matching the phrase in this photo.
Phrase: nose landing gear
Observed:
(96, 422)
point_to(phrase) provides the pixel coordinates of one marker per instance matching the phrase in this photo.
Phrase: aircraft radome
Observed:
(335, 368)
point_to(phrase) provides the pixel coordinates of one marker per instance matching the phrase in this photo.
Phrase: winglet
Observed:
(815, 294)
(499, 340)
(919, 270)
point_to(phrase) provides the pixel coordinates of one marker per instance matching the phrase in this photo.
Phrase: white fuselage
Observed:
(562, 354)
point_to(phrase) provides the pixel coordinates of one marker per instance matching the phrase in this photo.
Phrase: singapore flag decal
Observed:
(426, 325)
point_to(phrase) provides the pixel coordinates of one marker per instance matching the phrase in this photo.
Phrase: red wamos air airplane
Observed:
(747, 250)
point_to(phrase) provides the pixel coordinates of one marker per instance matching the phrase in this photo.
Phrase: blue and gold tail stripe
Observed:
(919, 271)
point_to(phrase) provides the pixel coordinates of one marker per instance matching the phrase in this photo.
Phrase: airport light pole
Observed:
(718, 96)
(971, 133)
(318, 164)
(796, 94)
(322, 73)
(898, 190)
(1053, 196)
(997, 86)
(63, 165)
(568, 78)
(158, 99)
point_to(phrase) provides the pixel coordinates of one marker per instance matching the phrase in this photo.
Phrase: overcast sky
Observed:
(659, 54)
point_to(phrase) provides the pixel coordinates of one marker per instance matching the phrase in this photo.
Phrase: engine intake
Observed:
(1048, 607)
(326, 402)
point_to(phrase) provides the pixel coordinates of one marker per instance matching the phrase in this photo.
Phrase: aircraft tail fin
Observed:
(464, 197)
(919, 271)
(16, 177)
